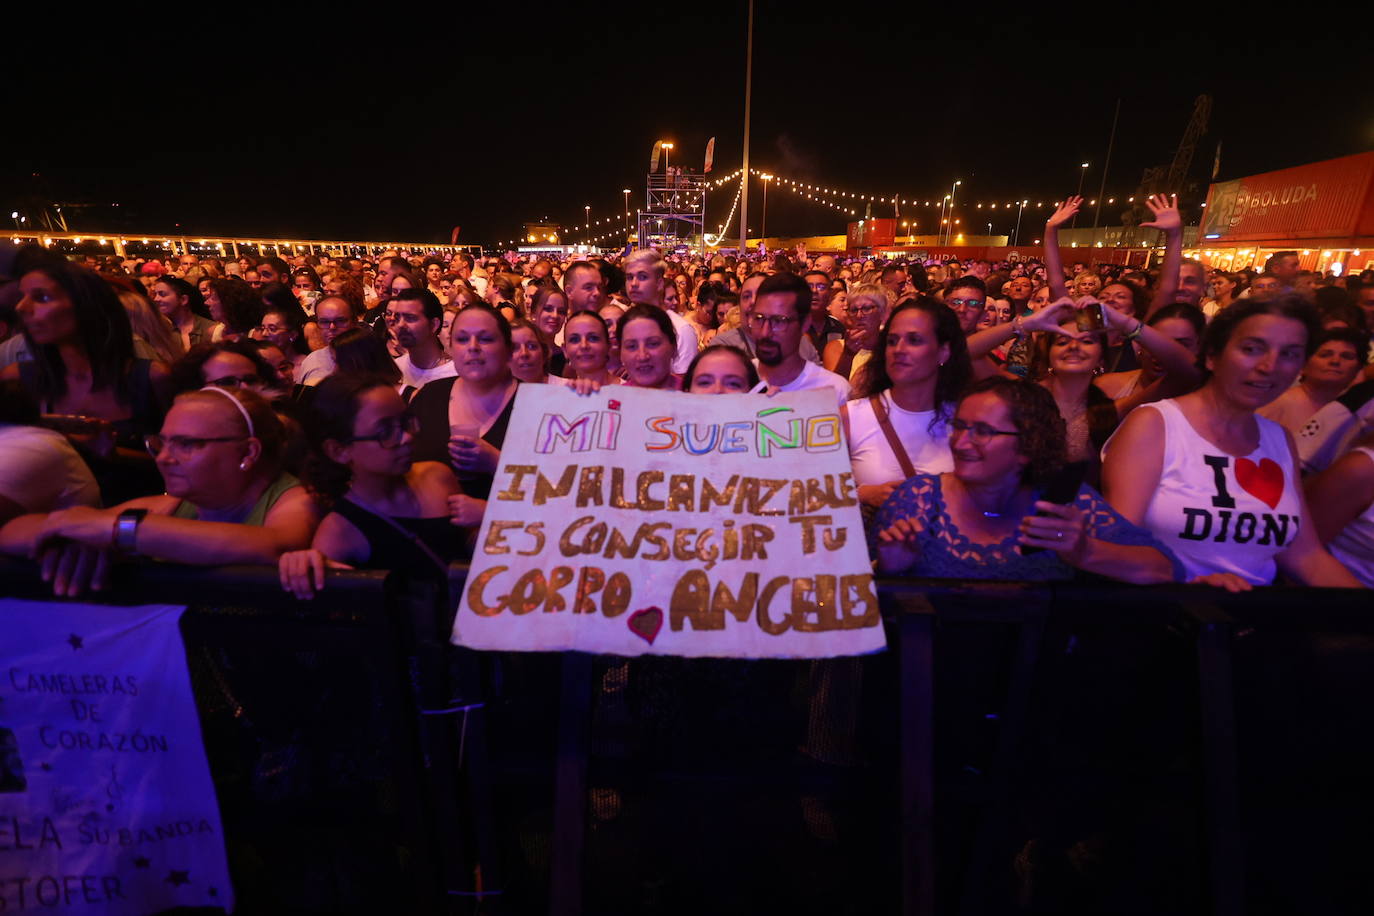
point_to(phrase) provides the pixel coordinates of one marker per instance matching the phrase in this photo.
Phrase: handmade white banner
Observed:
(106, 803)
(641, 522)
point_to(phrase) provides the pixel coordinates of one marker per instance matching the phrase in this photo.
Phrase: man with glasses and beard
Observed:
(775, 323)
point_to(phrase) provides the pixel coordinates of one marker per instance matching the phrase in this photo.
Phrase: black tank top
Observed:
(390, 549)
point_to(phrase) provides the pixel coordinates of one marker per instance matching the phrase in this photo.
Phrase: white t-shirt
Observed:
(1219, 512)
(813, 376)
(873, 459)
(687, 344)
(317, 366)
(1354, 546)
(41, 471)
(1333, 430)
(416, 377)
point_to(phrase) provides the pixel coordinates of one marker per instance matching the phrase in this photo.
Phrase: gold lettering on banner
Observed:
(475, 589)
(518, 472)
(535, 530)
(710, 496)
(589, 487)
(544, 490)
(690, 603)
(766, 623)
(495, 543)
(682, 492)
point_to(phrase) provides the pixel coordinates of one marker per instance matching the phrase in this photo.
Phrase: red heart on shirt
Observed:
(645, 623)
(1264, 481)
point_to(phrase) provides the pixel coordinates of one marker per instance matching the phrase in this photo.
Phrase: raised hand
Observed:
(1066, 212)
(1050, 317)
(1166, 213)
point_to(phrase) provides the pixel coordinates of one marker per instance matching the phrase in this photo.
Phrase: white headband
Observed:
(252, 434)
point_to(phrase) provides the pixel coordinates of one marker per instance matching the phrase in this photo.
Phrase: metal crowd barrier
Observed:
(1085, 747)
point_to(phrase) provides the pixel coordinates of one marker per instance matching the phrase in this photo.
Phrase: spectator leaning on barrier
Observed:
(227, 500)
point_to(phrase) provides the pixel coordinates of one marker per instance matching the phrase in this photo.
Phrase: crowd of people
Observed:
(1016, 420)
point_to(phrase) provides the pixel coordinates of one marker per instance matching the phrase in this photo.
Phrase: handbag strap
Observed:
(405, 533)
(880, 412)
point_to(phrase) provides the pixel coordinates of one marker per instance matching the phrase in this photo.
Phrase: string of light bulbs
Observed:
(834, 194)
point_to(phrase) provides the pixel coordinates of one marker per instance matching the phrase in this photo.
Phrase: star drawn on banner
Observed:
(178, 878)
(214, 892)
(45, 767)
(141, 862)
(75, 642)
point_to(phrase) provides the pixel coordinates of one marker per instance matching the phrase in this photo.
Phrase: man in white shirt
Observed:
(777, 326)
(644, 279)
(414, 316)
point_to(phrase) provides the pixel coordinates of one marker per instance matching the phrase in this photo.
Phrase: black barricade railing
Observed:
(1019, 748)
(325, 767)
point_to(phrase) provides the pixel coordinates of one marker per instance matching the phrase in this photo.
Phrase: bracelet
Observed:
(126, 530)
(1139, 327)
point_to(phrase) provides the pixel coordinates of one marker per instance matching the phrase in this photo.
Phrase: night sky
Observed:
(343, 126)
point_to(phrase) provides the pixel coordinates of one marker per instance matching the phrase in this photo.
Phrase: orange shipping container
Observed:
(1332, 199)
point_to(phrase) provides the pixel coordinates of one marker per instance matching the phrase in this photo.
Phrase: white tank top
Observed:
(1221, 513)
(1354, 546)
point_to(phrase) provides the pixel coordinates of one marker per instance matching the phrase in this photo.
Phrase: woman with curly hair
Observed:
(237, 307)
(1007, 440)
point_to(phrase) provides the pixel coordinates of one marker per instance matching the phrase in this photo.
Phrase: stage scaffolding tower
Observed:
(674, 213)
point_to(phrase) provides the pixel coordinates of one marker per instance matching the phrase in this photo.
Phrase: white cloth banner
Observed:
(639, 522)
(106, 803)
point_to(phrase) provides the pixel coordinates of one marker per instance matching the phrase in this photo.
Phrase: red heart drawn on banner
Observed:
(614, 405)
(645, 623)
(1264, 481)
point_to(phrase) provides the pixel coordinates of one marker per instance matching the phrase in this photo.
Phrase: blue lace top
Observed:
(946, 553)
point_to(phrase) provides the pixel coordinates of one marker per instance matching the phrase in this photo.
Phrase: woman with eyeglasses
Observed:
(227, 498)
(386, 511)
(283, 330)
(864, 312)
(229, 364)
(1007, 443)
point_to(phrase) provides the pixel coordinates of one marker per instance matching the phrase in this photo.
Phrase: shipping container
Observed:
(1328, 201)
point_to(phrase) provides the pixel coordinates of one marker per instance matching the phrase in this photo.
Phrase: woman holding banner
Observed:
(648, 343)
(387, 511)
(1007, 442)
(587, 344)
